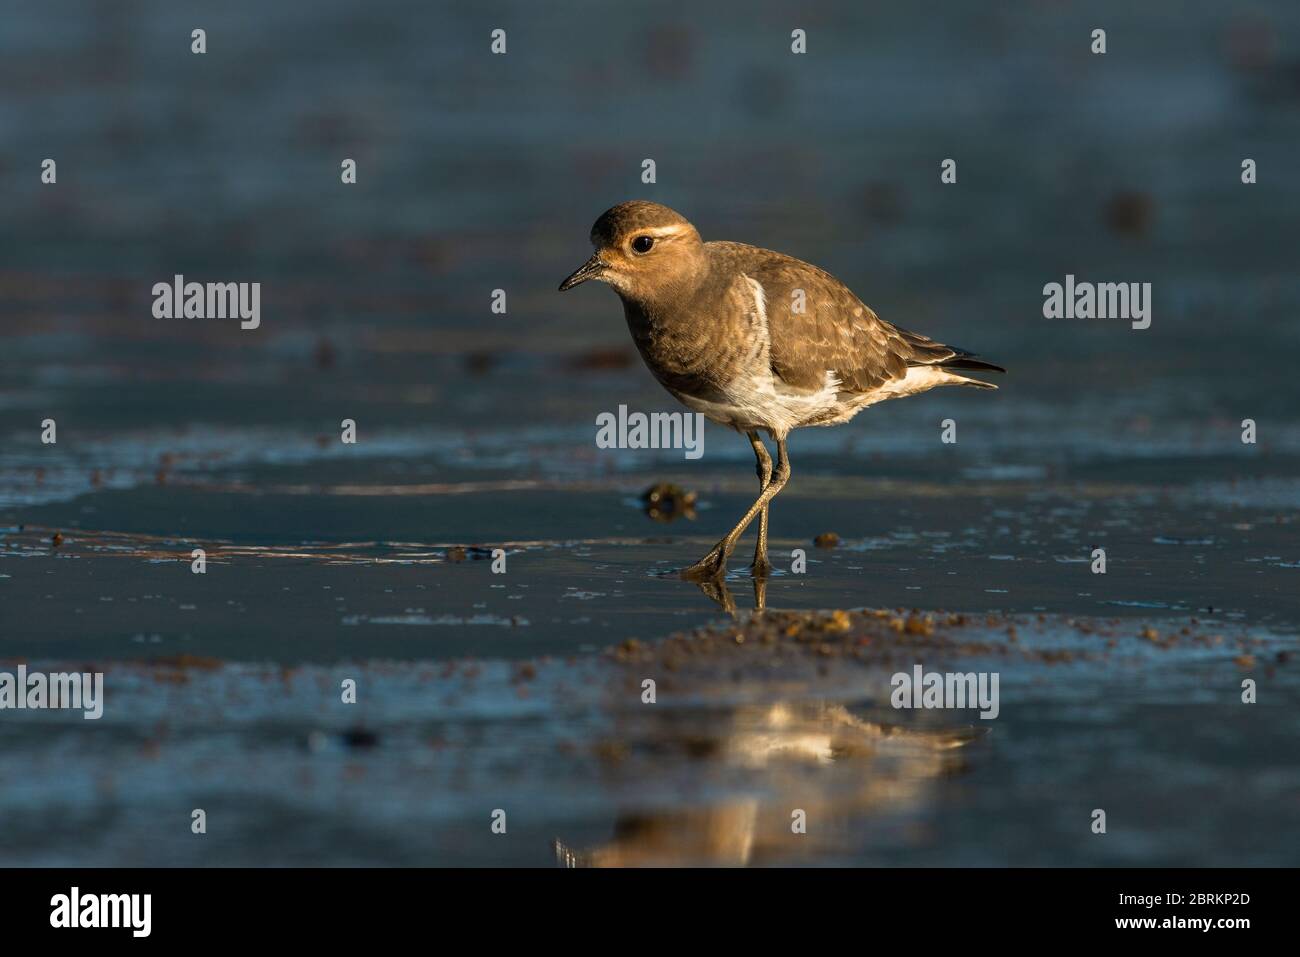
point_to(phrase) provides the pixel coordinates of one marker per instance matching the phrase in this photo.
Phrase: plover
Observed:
(756, 340)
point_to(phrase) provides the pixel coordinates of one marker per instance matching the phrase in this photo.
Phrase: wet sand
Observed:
(753, 721)
(523, 690)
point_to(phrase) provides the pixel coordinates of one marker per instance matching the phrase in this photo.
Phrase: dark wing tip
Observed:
(969, 362)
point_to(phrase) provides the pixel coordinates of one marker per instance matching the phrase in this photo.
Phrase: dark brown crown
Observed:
(616, 222)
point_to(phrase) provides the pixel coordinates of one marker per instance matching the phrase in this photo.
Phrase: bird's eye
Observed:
(642, 244)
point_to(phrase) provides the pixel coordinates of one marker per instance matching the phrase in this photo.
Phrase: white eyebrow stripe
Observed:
(662, 232)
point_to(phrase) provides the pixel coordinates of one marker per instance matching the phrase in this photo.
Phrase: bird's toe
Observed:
(708, 568)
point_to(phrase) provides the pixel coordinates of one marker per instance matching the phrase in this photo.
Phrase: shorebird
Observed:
(757, 341)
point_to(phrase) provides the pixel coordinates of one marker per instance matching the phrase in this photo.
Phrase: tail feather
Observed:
(977, 383)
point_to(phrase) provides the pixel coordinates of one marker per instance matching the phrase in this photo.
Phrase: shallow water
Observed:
(476, 432)
(793, 718)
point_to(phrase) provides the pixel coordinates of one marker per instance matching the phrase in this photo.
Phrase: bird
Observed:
(757, 341)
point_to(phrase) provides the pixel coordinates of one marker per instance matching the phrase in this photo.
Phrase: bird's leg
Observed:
(761, 566)
(714, 564)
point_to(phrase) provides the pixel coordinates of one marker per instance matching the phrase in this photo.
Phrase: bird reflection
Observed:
(716, 590)
(811, 756)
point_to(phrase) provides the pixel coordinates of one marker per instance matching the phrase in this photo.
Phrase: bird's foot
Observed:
(709, 568)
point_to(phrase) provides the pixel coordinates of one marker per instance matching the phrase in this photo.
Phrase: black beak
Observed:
(592, 268)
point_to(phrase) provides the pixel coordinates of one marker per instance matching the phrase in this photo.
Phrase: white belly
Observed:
(761, 401)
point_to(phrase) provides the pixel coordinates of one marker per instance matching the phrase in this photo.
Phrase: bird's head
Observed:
(645, 251)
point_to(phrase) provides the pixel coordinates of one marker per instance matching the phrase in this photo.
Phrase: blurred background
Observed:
(479, 172)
